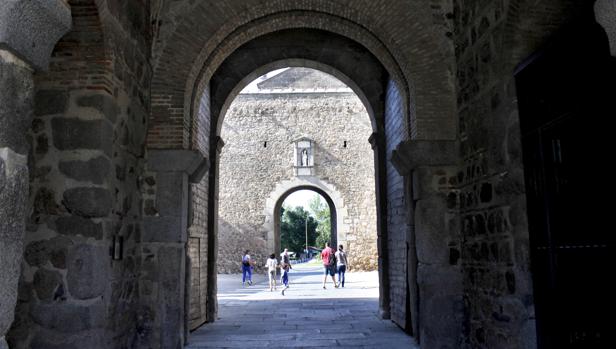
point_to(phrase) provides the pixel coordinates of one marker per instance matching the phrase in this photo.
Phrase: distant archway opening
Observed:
(282, 226)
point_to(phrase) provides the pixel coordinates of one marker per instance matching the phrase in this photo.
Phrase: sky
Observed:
(300, 198)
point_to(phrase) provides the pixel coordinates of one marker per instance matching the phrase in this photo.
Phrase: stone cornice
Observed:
(411, 154)
(31, 28)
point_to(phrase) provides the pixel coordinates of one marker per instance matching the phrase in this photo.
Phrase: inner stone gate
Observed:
(300, 128)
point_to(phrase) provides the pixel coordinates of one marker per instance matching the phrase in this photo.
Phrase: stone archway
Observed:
(283, 189)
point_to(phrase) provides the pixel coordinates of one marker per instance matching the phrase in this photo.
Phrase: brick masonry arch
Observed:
(410, 40)
(294, 62)
(361, 67)
(406, 36)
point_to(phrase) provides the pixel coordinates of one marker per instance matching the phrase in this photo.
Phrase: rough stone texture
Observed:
(101, 75)
(93, 170)
(69, 318)
(32, 28)
(86, 271)
(165, 236)
(15, 102)
(88, 202)
(48, 102)
(491, 39)
(250, 171)
(47, 283)
(91, 113)
(15, 114)
(73, 134)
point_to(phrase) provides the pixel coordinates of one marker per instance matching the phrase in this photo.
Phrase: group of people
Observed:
(334, 262)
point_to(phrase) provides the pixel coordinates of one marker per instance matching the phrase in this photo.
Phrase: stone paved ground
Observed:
(307, 316)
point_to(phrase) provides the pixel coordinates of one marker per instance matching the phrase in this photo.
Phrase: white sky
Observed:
(300, 198)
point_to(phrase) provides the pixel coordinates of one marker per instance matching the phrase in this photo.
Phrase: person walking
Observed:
(246, 269)
(341, 264)
(272, 265)
(285, 265)
(328, 257)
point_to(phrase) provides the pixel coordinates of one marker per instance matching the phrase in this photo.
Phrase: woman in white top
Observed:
(272, 265)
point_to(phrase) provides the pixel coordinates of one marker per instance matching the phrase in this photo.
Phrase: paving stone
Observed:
(306, 317)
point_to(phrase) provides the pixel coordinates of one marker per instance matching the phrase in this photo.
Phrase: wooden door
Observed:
(567, 101)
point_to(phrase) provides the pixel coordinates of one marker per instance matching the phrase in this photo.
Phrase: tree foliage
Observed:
(293, 229)
(321, 211)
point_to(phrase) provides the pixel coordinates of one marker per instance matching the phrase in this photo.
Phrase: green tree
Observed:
(293, 229)
(321, 211)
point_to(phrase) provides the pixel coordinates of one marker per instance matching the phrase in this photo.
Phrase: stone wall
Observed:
(498, 295)
(251, 168)
(86, 162)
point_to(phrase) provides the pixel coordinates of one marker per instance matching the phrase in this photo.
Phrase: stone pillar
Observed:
(15, 112)
(380, 176)
(212, 229)
(435, 280)
(165, 238)
(28, 32)
(605, 14)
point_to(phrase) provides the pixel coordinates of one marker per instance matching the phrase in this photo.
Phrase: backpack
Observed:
(245, 261)
(332, 257)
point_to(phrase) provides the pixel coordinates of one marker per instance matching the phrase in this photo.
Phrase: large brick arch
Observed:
(294, 62)
(407, 37)
(304, 48)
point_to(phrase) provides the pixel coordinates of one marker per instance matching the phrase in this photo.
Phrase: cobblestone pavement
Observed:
(306, 316)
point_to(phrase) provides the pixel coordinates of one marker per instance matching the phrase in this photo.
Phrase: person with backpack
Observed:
(328, 257)
(341, 264)
(285, 265)
(246, 269)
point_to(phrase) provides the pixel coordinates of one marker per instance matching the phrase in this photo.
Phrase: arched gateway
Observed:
(300, 128)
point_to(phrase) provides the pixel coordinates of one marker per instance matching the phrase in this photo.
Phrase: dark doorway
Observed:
(566, 100)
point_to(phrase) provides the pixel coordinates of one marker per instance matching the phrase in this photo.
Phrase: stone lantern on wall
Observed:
(303, 159)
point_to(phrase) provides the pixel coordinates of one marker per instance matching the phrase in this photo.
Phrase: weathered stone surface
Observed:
(15, 101)
(257, 166)
(42, 145)
(46, 283)
(94, 170)
(75, 225)
(50, 339)
(163, 229)
(172, 266)
(48, 102)
(13, 198)
(32, 28)
(101, 102)
(88, 202)
(37, 253)
(87, 271)
(73, 134)
(45, 202)
(69, 318)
